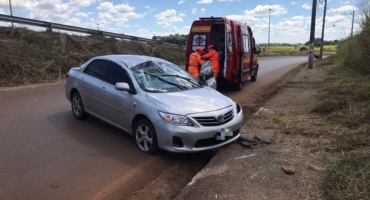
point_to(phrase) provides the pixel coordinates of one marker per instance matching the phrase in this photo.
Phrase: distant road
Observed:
(270, 70)
(45, 153)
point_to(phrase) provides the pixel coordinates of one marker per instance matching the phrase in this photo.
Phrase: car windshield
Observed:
(154, 76)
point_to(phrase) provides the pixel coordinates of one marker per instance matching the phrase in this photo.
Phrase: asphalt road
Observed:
(45, 153)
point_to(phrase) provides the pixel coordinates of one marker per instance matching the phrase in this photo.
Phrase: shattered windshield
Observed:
(154, 76)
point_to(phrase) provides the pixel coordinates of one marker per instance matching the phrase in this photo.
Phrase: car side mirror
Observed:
(123, 87)
(258, 50)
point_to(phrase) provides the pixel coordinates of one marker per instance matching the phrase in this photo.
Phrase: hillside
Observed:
(28, 56)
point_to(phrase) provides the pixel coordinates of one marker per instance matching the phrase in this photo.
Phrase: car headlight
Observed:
(178, 120)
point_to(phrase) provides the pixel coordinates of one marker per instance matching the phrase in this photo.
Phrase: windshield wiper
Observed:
(169, 82)
(184, 78)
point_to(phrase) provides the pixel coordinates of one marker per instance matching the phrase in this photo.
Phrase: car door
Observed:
(116, 103)
(90, 82)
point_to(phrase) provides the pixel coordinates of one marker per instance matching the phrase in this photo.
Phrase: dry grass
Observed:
(27, 56)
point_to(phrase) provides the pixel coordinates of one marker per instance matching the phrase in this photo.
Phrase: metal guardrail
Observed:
(50, 26)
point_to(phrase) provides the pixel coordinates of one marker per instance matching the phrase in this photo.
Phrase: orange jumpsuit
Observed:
(194, 61)
(213, 57)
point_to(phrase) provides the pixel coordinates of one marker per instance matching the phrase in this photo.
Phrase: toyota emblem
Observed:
(220, 118)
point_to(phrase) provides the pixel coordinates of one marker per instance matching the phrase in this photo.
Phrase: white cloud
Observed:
(74, 22)
(181, 2)
(105, 15)
(228, 0)
(194, 10)
(149, 9)
(343, 9)
(82, 14)
(48, 10)
(205, 1)
(2, 12)
(117, 13)
(81, 3)
(253, 16)
(119, 8)
(264, 10)
(168, 18)
(294, 3)
(306, 6)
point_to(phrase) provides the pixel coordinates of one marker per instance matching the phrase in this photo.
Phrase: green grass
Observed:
(292, 48)
(349, 179)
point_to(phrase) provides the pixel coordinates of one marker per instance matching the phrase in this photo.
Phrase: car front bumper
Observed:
(198, 138)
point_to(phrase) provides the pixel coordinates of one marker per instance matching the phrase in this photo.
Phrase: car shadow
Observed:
(111, 141)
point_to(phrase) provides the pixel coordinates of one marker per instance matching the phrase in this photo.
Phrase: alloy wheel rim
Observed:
(144, 137)
(76, 105)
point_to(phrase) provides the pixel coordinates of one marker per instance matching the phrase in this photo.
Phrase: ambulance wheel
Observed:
(238, 85)
(254, 77)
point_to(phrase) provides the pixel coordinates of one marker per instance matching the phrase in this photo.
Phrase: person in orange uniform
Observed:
(212, 55)
(195, 61)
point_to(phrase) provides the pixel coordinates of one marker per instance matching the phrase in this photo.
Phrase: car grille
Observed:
(213, 121)
(212, 141)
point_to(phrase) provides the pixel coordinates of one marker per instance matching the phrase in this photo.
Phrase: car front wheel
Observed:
(78, 107)
(146, 138)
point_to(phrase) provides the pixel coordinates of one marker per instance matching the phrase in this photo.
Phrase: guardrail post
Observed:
(49, 27)
(97, 33)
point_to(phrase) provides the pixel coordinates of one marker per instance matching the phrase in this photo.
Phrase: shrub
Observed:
(303, 48)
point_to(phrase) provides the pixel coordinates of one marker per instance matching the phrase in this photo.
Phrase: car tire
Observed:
(78, 108)
(254, 77)
(146, 137)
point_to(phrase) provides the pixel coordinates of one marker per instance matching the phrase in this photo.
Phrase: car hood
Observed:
(191, 101)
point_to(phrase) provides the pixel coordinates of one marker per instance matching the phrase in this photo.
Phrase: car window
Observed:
(97, 68)
(116, 74)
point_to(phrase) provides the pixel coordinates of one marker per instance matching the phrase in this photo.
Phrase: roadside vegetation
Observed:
(345, 100)
(295, 49)
(28, 56)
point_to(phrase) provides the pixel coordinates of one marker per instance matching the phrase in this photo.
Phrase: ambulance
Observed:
(236, 46)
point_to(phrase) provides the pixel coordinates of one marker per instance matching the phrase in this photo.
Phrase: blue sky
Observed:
(290, 19)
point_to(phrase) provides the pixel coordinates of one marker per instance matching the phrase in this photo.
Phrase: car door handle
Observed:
(82, 80)
(102, 89)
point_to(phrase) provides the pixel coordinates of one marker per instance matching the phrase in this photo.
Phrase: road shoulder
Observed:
(276, 159)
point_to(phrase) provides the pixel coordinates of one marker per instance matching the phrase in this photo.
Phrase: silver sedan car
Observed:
(156, 101)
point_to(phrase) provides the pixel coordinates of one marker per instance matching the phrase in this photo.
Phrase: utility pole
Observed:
(353, 20)
(323, 30)
(268, 42)
(11, 11)
(312, 35)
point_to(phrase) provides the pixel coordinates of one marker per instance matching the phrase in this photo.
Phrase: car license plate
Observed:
(220, 135)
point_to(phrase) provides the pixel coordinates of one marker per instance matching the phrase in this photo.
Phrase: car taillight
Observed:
(67, 74)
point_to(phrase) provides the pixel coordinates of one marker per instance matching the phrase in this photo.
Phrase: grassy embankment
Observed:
(29, 57)
(345, 99)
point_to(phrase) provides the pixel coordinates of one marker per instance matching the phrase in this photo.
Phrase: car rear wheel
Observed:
(146, 138)
(78, 109)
